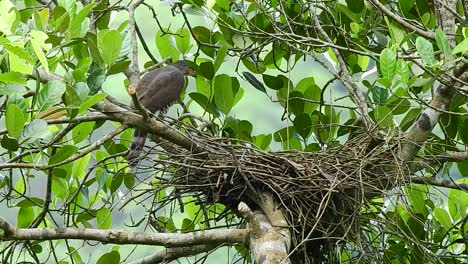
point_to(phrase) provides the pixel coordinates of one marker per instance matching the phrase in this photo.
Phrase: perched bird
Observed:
(156, 91)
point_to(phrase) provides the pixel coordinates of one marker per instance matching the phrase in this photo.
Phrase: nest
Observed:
(321, 194)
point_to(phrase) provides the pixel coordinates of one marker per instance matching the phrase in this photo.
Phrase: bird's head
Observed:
(185, 67)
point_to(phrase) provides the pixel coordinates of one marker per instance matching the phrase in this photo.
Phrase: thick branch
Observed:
(440, 183)
(442, 98)
(226, 236)
(266, 244)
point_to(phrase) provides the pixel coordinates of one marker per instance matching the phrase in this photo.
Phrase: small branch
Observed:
(206, 237)
(82, 152)
(440, 182)
(171, 254)
(450, 156)
(345, 77)
(401, 21)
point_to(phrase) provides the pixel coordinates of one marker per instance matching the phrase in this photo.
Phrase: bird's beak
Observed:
(192, 73)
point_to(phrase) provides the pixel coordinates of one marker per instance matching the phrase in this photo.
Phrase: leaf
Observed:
(25, 216)
(82, 131)
(461, 47)
(442, 41)
(9, 15)
(207, 70)
(78, 20)
(223, 95)
(164, 46)
(36, 129)
(203, 101)
(254, 82)
(63, 153)
(9, 143)
(95, 80)
(49, 95)
(387, 63)
(104, 218)
(403, 71)
(311, 91)
(425, 50)
(40, 54)
(220, 55)
(303, 125)
(296, 102)
(91, 101)
(109, 44)
(12, 77)
(383, 115)
(272, 82)
(14, 120)
(183, 40)
(443, 218)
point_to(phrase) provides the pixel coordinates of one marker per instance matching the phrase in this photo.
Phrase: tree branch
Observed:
(401, 21)
(206, 237)
(266, 244)
(170, 254)
(440, 182)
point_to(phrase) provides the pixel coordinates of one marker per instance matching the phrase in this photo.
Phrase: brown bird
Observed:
(158, 90)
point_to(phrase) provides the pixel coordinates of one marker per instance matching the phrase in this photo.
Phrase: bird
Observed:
(157, 91)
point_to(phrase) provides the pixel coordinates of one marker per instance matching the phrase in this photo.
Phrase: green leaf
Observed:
(223, 95)
(203, 101)
(272, 82)
(60, 187)
(207, 70)
(49, 95)
(387, 63)
(91, 101)
(164, 46)
(254, 82)
(442, 41)
(10, 17)
(9, 143)
(12, 77)
(14, 120)
(443, 218)
(296, 102)
(129, 180)
(311, 91)
(383, 115)
(25, 216)
(79, 21)
(109, 44)
(40, 53)
(112, 257)
(79, 166)
(183, 40)
(95, 80)
(62, 154)
(82, 131)
(220, 55)
(403, 70)
(303, 125)
(461, 47)
(104, 218)
(36, 129)
(425, 50)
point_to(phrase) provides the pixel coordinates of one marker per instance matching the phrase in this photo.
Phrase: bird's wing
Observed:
(159, 89)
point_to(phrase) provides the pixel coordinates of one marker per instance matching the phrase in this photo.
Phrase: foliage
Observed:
(244, 53)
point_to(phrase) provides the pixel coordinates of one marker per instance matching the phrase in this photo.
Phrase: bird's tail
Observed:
(138, 143)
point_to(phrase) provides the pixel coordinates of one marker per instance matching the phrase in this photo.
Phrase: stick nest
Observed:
(322, 194)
